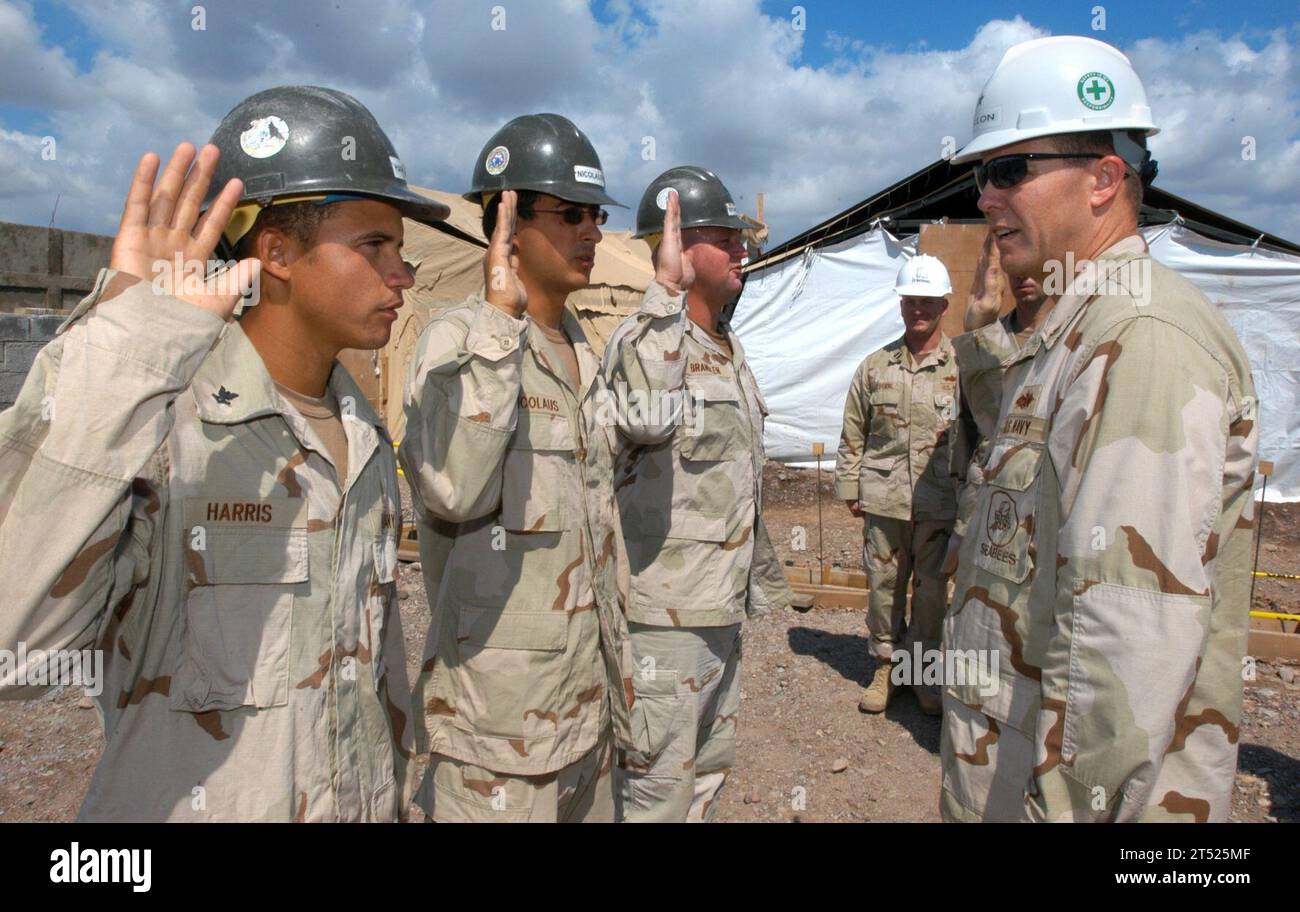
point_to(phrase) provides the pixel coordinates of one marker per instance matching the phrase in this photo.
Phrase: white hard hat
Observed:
(923, 276)
(1066, 84)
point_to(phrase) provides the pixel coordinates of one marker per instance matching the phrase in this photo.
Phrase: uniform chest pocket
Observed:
(1004, 519)
(538, 472)
(885, 403)
(239, 616)
(381, 597)
(712, 421)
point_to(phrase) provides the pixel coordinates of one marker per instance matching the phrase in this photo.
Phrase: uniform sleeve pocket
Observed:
(1004, 517)
(238, 617)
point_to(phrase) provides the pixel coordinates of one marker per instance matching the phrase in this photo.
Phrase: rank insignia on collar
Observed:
(224, 396)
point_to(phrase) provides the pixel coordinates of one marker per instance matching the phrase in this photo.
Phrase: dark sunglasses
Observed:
(573, 215)
(1005, 171)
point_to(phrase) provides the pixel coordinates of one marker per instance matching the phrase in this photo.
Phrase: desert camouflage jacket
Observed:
(160, 502)
(893, 456)
(689, 471)
(1106, 567)
(527, 659)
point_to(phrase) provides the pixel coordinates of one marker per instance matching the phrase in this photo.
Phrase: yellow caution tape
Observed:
(1275, 616)
(1277, 575)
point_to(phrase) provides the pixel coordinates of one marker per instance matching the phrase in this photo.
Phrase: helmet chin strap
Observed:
(1135, 156)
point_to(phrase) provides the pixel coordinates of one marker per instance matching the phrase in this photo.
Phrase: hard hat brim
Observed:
(417, 207)
(921, 291)
(996, 139)
(593, 195)
(726, 221)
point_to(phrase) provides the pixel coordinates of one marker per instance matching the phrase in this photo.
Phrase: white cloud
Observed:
(34, 75)
(718, 84)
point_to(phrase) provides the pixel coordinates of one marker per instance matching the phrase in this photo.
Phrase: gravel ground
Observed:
(804, 750)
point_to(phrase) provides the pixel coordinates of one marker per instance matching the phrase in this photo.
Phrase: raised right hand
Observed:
(160, 223)
(986, 288)
(500, 266)
(673, 269)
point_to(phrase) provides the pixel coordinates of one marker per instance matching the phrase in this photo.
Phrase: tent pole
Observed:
(818, 449)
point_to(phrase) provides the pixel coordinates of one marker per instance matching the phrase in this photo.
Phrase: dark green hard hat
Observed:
(703, 197)
(542, 152)
(306, 140)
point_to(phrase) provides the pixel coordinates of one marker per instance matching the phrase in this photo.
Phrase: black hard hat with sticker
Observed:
(310, 143)
(541, 152)
(704, 199)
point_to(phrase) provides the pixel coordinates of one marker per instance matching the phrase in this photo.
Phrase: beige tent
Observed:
(450, 268)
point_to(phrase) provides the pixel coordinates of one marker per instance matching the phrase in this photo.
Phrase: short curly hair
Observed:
(300, 221)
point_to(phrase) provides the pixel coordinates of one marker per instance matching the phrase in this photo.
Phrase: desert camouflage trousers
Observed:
(897, 553)
(687, 686)
(582, 792)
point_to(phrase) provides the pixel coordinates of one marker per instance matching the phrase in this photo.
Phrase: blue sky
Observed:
(949, 25)
(816, 119)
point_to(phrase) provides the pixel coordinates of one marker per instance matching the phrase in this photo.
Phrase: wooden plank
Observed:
(798, 575)
(958, 247)
(1269, 644)
(833, 596)
(408, 549)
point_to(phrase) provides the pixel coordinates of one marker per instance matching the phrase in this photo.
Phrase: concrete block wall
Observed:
(21, 337)
(44, 272)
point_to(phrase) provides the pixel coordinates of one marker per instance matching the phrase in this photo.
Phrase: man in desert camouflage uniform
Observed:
(164, 499)
(893, 467)
(523, 681)
(689, 476)
(1106, 565)
(988, 340)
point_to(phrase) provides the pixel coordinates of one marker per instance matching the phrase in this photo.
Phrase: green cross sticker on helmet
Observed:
(1096, 91)
(1057, 85)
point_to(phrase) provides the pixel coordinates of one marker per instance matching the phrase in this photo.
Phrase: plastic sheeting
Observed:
(1258, 291)
(807, 323)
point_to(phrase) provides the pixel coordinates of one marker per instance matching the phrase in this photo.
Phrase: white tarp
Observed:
(1259, 293)
(808, 322)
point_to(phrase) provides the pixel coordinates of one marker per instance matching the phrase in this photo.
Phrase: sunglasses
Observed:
(1005, 171)
(573, 215)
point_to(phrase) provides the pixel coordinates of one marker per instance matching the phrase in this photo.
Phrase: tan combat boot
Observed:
(878, 692)
(930, 702)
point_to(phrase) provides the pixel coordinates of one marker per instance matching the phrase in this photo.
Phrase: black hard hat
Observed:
(305, 140)
(703, 198)
(542, 152)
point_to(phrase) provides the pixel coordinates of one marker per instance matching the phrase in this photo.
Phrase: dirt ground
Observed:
(804, 750)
